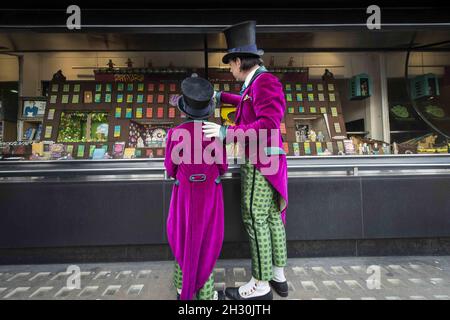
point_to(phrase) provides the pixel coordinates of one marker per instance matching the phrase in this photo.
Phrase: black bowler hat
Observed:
(196, 100)
(241, 41)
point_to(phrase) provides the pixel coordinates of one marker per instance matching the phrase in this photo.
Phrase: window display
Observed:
(130, 114)
(130, 121)
(137, 117)
(314, 126)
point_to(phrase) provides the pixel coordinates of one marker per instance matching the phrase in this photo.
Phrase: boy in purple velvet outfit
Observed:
(195, 224)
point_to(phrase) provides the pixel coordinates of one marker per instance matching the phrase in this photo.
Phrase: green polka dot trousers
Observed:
(262, 221)
(205, 293)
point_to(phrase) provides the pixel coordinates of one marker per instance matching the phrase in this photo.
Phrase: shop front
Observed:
(366, 132)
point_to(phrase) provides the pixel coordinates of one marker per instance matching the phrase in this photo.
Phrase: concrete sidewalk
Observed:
(424, 277)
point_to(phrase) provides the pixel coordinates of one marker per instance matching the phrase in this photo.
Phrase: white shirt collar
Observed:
(250, 76)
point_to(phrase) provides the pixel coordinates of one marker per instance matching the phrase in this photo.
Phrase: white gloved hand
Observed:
(173, 99)
(211, 129)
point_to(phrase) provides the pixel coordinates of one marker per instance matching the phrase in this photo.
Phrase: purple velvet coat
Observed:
(195, 223)
(262, 106)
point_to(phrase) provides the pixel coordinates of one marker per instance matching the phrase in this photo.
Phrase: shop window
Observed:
(83, 127)
(419, 109)
(405, 123)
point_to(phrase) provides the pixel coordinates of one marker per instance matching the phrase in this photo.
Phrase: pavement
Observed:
(337, 278)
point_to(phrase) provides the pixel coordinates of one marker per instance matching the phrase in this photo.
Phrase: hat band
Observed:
(196, 112)
(247, 48)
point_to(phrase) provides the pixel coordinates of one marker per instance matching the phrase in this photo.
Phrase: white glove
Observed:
(211, 129)
(173, 99)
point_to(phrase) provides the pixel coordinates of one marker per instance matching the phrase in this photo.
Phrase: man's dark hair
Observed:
(248, 62)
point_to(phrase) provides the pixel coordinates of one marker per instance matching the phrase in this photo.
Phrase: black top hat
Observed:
(196, 100)
(241, 41)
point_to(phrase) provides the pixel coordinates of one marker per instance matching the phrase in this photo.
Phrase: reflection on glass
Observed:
(429, 99)
(419, 105)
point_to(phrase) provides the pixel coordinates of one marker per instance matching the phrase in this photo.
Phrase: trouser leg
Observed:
(205, 293)
(177, 276)
(278, 233)
(257, 198)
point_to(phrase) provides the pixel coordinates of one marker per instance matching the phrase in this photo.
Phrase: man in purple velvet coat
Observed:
(260, 109)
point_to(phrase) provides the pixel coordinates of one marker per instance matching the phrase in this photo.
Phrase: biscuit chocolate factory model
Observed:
(139, 113)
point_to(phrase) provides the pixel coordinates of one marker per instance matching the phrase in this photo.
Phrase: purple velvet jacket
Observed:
(262, 106)
(195, 223)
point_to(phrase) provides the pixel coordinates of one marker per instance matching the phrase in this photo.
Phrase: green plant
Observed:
(72, 127)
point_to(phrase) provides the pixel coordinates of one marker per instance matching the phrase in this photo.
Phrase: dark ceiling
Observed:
(320, 25)
(283, 41)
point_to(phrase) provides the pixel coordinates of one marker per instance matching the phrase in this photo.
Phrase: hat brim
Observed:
(227, 57)
(196, 113)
